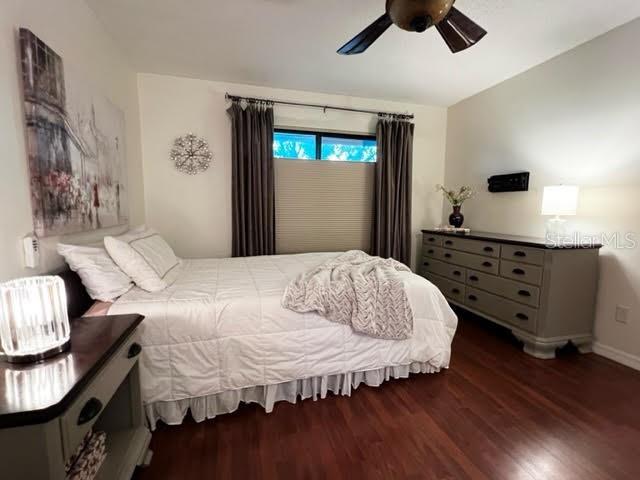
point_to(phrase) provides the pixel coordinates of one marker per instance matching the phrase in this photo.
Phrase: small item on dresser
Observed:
(90, 458)
(450, 229)
(456, 199)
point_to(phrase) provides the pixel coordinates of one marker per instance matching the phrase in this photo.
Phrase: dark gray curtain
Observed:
(391, 232)
(254, 211)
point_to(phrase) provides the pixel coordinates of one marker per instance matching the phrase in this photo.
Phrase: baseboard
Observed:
(616, 355)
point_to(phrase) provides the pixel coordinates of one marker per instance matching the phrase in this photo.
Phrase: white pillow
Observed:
(145, 257)
(101, 277)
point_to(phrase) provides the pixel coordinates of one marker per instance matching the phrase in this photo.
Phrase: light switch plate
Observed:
(622, 314)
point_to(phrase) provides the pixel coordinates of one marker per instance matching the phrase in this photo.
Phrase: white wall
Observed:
(195, 212)
(572, 120)
(72, 30)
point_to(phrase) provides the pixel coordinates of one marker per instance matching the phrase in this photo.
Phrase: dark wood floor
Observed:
(496, 414)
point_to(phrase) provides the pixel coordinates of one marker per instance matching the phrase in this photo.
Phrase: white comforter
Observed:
(221, 327)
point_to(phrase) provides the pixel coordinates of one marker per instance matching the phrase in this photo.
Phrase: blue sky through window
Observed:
(294, 145)
(349, 149)
(324, 146)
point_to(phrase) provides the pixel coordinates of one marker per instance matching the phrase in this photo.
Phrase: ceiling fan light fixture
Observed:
(458, 31)
(421, 23)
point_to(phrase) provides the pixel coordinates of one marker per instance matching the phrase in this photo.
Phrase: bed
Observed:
(218, 336)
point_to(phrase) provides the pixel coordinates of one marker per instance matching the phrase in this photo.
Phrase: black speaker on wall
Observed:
(513, 182)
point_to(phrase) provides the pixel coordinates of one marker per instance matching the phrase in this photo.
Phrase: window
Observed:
(323, 204)
(349, 149)
(295, 145)
(301, 145)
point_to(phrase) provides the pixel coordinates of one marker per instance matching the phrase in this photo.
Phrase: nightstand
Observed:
(47, 408)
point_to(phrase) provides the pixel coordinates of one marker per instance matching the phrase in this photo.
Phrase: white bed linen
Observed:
(221, 327)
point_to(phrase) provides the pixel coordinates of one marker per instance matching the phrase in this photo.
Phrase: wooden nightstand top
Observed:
(36, 393)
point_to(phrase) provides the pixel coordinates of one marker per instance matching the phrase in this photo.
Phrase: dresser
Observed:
(47, 408)
(545, 295)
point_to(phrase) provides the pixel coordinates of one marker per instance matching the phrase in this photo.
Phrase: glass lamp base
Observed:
(556, 228)
(38, 357)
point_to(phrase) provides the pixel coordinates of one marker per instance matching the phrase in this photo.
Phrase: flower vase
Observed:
(456, 219)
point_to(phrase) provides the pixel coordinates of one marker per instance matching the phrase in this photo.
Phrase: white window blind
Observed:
(323, 206)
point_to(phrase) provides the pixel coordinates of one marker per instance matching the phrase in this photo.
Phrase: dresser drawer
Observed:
(520, 316)
(452, 290)
(428, 239)
(533, 256)
(433, 252)
(478, 247)
(84, 412)
(452, 272)
(521, 272)
(481, 301)
(476, 262)
(520, 292)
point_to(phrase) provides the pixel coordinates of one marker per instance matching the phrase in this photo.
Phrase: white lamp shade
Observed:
(560, 200)
(33, 317)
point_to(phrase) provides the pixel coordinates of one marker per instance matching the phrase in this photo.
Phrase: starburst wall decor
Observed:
(190, 154)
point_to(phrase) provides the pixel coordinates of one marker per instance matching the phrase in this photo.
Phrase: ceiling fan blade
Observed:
(459, 31)
(364, 39)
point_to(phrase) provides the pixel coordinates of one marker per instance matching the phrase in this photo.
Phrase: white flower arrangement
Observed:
(456, 198)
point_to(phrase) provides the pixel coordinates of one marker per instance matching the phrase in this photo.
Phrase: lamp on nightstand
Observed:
(34, 323)
(559, 201)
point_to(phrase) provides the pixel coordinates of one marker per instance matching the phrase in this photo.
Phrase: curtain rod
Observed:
(236, 98)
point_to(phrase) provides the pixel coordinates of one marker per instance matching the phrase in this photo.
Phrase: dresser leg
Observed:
(540, 349)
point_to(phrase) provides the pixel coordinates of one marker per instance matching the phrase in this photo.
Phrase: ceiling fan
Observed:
(458, 31)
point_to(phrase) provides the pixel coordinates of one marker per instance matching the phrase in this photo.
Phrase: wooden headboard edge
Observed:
(78, 300)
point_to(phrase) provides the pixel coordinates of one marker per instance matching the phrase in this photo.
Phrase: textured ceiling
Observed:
(292, 43)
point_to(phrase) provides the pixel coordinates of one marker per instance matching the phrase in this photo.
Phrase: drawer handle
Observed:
(473, 278)
(473, 298)
(524, 293)
(447, 255)
(455, 291)
(488, 249)
(457, 273)
(519, 254)
(487, 264)
(519, 271)
(134, 350)
(448, 242)
(90, 411)
(431, 252)
(426, 264)
(522, 316)
(431, 239)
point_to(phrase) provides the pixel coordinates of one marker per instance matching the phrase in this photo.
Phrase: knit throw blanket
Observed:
(356, 289)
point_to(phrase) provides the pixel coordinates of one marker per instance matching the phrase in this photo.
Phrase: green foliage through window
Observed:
(301, 145)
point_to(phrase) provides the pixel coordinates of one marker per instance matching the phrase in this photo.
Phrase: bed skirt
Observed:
(210, 406)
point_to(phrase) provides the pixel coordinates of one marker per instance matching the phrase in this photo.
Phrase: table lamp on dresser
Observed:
(559, 201)
(34, 323)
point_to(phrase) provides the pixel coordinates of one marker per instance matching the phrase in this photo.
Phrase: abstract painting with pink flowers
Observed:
(75, 147)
